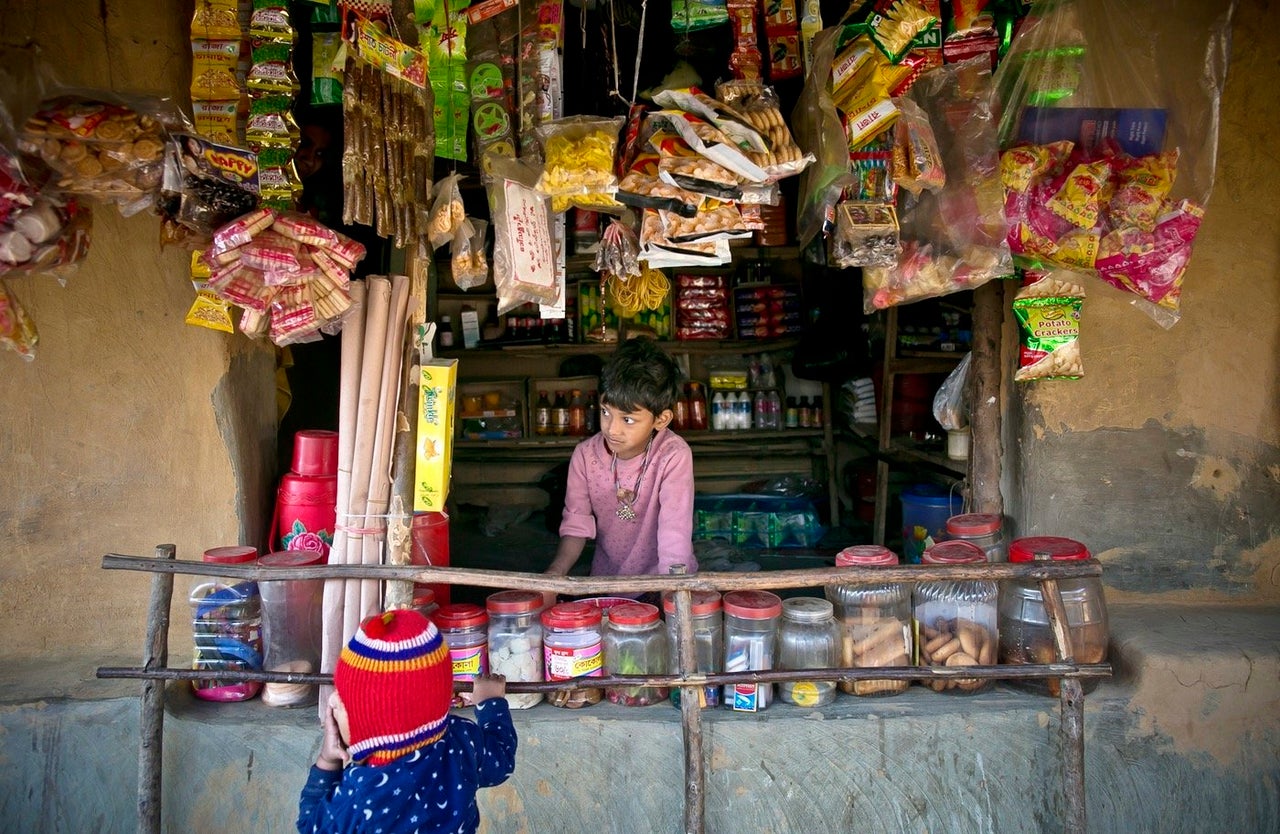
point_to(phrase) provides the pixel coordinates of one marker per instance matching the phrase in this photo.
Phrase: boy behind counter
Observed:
(630, 487)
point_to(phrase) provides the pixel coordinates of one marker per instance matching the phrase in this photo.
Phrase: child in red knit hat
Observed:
(413, 766)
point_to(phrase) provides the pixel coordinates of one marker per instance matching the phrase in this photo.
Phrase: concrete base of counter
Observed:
(1185, 738)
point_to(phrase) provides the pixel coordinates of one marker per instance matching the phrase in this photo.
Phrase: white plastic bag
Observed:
(951, 403)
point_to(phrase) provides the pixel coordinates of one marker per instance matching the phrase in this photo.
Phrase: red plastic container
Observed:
(306, 512)
(430, 535)
(315, 452)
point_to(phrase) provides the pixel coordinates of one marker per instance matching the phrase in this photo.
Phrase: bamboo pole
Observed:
(985, 410)
(155, 654)
(383, 434)
(690, 714)
(399, 594)
(377, 308)
(332, 638)
(1071, 719)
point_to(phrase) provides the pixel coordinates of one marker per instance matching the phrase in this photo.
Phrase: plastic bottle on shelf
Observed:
(718, 411)
(816, 418)
(793, 414)
(697, 407)
(742, 411)
(560, 415)
(593, 413)
(760, 411)
(775, 410)
(804, 414)
(577, 414)
(445, 331)
(542, 415)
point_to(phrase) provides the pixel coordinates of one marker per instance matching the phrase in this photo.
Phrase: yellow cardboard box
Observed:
(436, 394)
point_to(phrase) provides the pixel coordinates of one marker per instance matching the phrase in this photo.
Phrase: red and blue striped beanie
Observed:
(396, 683)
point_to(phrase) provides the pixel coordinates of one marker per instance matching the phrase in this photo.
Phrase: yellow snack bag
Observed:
(213, 70)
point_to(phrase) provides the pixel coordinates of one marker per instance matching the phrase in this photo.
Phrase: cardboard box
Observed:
(436, 397)
(492, 409)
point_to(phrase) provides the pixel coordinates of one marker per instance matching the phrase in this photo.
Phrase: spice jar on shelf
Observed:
(956, 620)
(874, 621)
(226, 627)
(515, 641)
(807, 640)
(750, 645)
(983, 529)
(465, 629)
(291, 614)
(708, 641)
(635, 644)
(1025, 634)
(572, 648)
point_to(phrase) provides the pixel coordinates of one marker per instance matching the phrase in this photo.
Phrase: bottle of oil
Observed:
(560, 415)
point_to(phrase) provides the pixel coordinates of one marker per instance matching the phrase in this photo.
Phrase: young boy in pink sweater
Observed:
(630, 487)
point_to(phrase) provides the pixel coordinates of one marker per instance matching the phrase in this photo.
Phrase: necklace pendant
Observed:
(625, 512)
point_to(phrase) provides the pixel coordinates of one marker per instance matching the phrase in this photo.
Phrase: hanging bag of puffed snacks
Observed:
(1109, 136)
(524, 258)
(447, 211)
(578, 165)
(953, 239)
(1047, 308)
(467, 260)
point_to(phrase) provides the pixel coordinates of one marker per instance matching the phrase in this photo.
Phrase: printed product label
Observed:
(746, 697)
(468, 662)
(565, 664)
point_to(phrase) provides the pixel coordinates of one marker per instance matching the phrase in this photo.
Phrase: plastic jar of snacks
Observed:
(635, 644)
(226, 627)
(956, 619)
(986, 530)
(291, 626)
(572, 648)
(750, 645)
(874, 621)
(1025, 634)
(708, 641)
(465, 629)
(807, 639)
(515, 641)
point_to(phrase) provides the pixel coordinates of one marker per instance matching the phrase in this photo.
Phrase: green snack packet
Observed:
(1050, 337)
(326, 81)
(694, 15)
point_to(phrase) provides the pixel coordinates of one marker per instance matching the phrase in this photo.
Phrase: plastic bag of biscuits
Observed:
(107, 149)
(761, 108)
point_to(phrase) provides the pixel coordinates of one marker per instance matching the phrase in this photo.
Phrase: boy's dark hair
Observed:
(640, 374)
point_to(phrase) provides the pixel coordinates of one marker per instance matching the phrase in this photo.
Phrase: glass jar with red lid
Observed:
(986, 530)
(751, 621)
(1025, 633)
(874, 621)
(572, 647)
(634, 644)
(956, 621)
(465, 629)
(515, 641)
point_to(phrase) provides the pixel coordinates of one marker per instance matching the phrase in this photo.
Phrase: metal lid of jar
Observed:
(231, 555)
(460, 615)
(291, 559)
(633, 614)
(752, 605)
(807, 609)
(973, 524)
(513, 602)
(571, 615)
(866, 555)
(953, 552)
(1046, 548)
(703, 603)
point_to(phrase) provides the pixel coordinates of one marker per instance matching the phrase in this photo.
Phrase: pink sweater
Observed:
(662, 533)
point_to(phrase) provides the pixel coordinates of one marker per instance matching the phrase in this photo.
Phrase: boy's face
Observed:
(628, 432)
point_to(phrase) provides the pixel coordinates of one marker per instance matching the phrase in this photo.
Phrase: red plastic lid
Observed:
(315, 452)
(953, 552)
(231, 555)
(753, 605)
(571, 615)
(866, 554)
(460, 615)
(704, 602)
(423, 598)
(973, 524)
(1055, 548)
(513, 602)
(292, 559)
(633, 614)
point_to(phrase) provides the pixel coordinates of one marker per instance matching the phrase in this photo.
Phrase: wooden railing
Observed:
(154, 669)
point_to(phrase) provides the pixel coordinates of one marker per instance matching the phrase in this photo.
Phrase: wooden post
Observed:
(1071, 727)
(985, 449)
(690, 713)
(155, 654)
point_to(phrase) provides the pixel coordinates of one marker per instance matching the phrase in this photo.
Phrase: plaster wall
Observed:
(130, 427)
(1165, 457)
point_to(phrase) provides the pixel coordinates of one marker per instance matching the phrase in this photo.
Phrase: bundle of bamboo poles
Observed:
(379, 350)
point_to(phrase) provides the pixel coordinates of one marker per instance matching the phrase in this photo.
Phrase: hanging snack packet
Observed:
(447, 212)
(207, 310)
(524, 258)
(578, 162)
(1142, 185)
(1048, 310)
(693, 15)
(619, 251)
(213, 69)
(17, 330)
(916, 163)
(1083, 193)
(466, 255)
(896, 24)
(326, 79)
(643, 188)
(866, 235)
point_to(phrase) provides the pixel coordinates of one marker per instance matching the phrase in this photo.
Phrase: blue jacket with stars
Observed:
(429, 791)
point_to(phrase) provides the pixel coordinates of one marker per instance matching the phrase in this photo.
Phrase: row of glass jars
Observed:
(941, 623)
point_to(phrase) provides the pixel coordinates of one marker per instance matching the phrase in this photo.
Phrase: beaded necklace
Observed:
(627, 497)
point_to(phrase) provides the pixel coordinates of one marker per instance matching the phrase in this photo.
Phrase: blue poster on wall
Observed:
(1138, 131)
